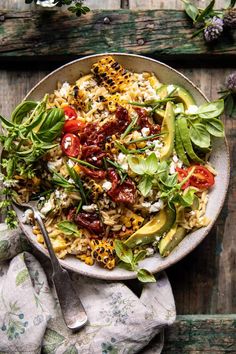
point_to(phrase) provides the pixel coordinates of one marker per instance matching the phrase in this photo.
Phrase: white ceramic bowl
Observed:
(219, 158)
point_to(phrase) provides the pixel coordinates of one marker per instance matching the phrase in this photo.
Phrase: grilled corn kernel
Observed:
(141, 145)
(103, 252)
(111, 74)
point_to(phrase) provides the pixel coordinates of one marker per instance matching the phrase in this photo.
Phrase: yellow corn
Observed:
(111, 74)
(103, 252)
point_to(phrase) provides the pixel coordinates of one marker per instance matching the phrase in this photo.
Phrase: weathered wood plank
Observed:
(201, 334)
(158, 33)
(170, 4)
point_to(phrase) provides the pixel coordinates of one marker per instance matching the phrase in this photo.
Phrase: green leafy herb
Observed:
(78, 183)
(129, 128)
(215, 127)
(146, 138)
(122, 173)
(84, 163)
(145, 185)
(126, 151)
(199, 135)
(191, 10)
(211, 110)
(69, 228)
(77, 6)
(129, 261)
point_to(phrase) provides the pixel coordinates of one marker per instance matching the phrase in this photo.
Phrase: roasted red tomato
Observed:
(73, 126)
(182, 174)
(90, 221)
(96, 174)
(70, 145)
(122, 193)
(201, 178)
(70, 112)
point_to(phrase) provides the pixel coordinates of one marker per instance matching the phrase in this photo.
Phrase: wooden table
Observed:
(204, 283)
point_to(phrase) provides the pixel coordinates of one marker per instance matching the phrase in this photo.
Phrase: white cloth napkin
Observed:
(119, 320)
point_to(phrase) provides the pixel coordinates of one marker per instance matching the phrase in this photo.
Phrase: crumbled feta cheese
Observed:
(170, 88)
(146, 205)
(179, 164)
(122, 160)
(48, 206)
(64, 90)
(123, 228)
(172, 168)
(70, 163)
(155, 207)
(145, 131)
(136, 135)
(42, 198)
(192, 109)
(70, 180)
(94, 158)
(177, 110)
(67, 142)
(150, 251)
(27, 216)
(57, 194)
(10, 183)
(157, 238)
(55, 164)
(175, 158)
(158, 144)
(107, 185)
(90, 208)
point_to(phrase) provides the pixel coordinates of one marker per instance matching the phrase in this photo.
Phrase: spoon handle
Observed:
(72, 309)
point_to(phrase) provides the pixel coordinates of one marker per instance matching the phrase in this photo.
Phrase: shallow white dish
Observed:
(219, 158)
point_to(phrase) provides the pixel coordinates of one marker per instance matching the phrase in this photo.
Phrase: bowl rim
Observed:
(207, 229)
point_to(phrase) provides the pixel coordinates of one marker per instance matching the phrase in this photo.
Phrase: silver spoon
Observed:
(72, 309)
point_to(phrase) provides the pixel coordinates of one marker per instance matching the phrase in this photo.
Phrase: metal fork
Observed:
(72, 309)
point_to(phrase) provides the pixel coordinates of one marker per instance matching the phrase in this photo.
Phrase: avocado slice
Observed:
(184, 134)
(160, 223)
(181, 95)
(168, 127)
(171, 240)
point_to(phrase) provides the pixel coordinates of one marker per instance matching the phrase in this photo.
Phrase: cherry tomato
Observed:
(182, 174)
(70, 113)
(70, 145)
(73, 126)
(201, 178)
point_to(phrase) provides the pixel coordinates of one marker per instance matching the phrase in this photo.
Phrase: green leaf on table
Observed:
(199, 135)
(69, 228)
(124, 253)
(211, 110)
(145, 276)
(215, 127)
(191, 10)
(145, 185)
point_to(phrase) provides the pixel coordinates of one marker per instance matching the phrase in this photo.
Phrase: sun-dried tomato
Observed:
(96, 174)
(119, 124)
(93, 151)
(71, 214)
(143, 121)
(122, 193)
(90, 221)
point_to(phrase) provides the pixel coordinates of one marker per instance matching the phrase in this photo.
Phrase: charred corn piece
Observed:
(104, 253)
(131, 220)
(113, 101)
(111, 74)
(80, 98)
(94, 187)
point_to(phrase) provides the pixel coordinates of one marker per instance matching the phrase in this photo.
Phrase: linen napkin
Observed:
(119, 320)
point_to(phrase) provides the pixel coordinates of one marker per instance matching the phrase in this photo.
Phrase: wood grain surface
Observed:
(205, 281)
(157, 33)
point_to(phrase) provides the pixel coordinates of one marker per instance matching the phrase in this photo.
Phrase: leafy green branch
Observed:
(129, 261)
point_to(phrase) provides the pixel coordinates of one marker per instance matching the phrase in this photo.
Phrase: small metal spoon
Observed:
(72, 309)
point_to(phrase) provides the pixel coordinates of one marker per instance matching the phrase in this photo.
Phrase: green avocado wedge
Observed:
(160, 223)
(171, 240)
(168, 127)
(184, 134)
(181, 95)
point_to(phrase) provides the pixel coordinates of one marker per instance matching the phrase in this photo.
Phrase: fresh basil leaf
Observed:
(137, 164)
(139, 256)
(69, 228)
(145, 276)
(21, 111)
(215, 127)
(211, 110)
(53, 116)
(126, 266)
(191, 10)
(169, 180)
(151, 164)
(199, 135)
(124, 253)
(186, 199)
(145, 185)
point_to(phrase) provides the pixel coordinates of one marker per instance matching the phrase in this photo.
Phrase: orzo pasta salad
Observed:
(118, 162)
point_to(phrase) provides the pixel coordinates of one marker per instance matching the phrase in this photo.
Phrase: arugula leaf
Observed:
(145, 185)
(145, 276)
(199, 135)
(69, 228)
(124, 253)
(215, 127)
(211, 110)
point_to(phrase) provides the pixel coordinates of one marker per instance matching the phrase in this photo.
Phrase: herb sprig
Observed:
(75, 6)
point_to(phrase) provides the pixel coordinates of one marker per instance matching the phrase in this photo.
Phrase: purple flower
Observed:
(230, 18)
(230, 82)
(213, 29)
